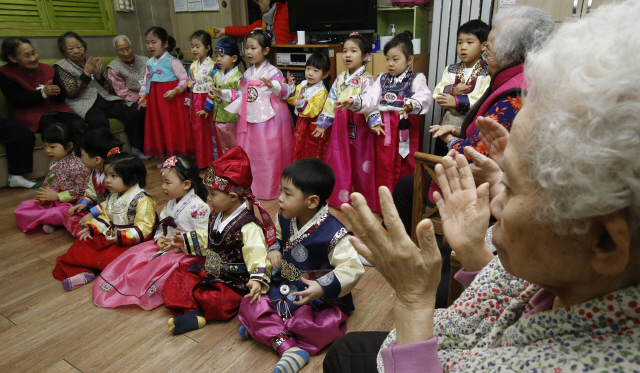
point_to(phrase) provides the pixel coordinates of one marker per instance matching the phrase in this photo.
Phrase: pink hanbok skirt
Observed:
(352, 159)
(30, 214)
(269, 145)
(135, 278)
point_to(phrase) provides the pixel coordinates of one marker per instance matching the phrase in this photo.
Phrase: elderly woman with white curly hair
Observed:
(564, 293)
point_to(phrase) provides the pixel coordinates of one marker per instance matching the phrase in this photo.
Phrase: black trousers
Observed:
(47, 120)
(354, 352)
(19, 141)
(98, 117)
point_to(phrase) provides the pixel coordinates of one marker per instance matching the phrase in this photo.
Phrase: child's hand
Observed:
(255, 291)
(406, 109)
(161, 243)
(46, 195)
(142, 102)
(84, 234)
(85, 220)
(461, 88)
(314, 291)
(290, 79)
(111, 239)
(76, 208)
(443, 130)
(447, 101)
(201, 113)
(174, 243)
(216, 91)
(267, 82)
(318, 131)
(377, 129)
(275, 257)
(345, 104)
(170, 94)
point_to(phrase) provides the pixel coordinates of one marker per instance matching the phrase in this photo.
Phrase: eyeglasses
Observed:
(124, 50)
(486, 56)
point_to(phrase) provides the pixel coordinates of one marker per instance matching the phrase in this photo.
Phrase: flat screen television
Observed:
(321, 17)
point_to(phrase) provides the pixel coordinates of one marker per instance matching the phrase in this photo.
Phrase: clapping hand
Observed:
(97, 67)
(494, 137)
(290, 79)
(88, 66)
(461, 88)
(51, 89)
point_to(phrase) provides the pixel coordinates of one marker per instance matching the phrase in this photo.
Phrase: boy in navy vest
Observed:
(315, 269)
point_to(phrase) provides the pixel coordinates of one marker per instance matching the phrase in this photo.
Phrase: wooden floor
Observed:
(46, 329)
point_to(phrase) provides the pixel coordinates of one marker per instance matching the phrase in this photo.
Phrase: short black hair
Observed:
(312, 177)
(10, 48)
(475, 27)
(319, 61)
(63, 38)
(98, 142)
(163, 35)
(364, 46)
(262, 37)
(129, 167)
(187, 169)
(403, 41)
(64, 133)
(205, 39)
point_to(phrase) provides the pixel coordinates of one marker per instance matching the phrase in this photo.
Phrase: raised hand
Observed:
(345, 104)
(494, 137)
(290, 79)
(313, 291)
(485, 170)
(267, 82)
(97, 67)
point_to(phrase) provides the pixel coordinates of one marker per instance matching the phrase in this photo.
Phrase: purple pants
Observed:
(307, 329)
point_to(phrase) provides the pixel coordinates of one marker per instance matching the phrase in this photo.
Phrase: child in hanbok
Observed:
(400, 96)
(94, 147)
(167, 128)
(200, 79)
(64, 184)
(315, 269)
(350, 152)
(308, 98)
(225, 124)
(265, 128)
(138, 276)
(236, 258)
(128, 218)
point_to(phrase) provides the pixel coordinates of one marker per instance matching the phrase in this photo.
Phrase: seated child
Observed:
(236, 258)
(65, 183)
(94, 147)
(464, 83)
(308, 98)
(317, 267)
(138, 276)
(128, 217)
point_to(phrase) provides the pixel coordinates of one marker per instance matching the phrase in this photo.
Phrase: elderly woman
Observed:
(564, 293)
(127, 71)
(90, 93)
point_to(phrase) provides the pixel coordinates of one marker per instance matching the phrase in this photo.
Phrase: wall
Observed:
(132, 24)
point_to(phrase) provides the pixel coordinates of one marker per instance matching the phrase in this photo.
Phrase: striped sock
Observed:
(292, 361)
(244, 334)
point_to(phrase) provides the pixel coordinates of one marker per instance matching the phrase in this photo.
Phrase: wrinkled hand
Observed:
(142, 102)
(85, 219)
(275, 258)
(267, 82)
(377, 129)
(84, 234)
(345, 104)
(442, 130)
(464, 212)
(290, 79)
(313, 291)
(88, 66)
(485, 170)
(76, 208)
(494, 137)
(255, 291)
(461, 88)
(446, 100)
(170, 94)
(46, 195)
(97, 67)
(414, 273)
(51, 89)
(318, 131)
(201, 113)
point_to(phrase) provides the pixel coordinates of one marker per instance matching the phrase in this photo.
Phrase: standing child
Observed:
(128, 217)
(351, 144)
(308, 300)
(236, 259)
(308, 98)
(65, 183)
(138, 276)
(464, 83)
(400, 95)
(94, 147)
(200, 79)
(167, 128)
(265, 128)
(225, 124)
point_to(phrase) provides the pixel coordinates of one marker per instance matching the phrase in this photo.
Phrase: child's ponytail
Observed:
(404, 41)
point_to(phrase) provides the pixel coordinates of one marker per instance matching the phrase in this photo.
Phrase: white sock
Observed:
(19, 181)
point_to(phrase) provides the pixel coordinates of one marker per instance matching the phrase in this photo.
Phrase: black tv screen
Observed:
(332, 16)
